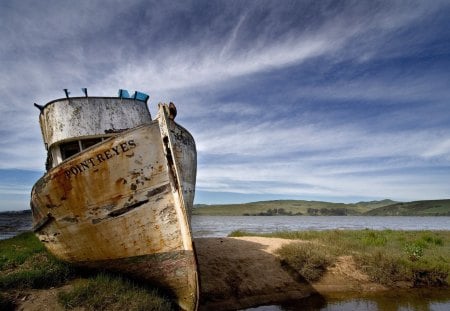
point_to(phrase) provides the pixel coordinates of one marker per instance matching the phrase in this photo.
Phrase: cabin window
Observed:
(86, 143)
(69, 149)
(73, 147)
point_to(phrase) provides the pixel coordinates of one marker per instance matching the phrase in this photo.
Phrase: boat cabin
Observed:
(73, 124)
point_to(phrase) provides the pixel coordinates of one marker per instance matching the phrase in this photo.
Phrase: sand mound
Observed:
(344, 276)
(241, 272)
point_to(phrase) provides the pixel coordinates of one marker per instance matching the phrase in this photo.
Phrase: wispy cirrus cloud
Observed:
(330, 99)
(305, 183)
(355, 32)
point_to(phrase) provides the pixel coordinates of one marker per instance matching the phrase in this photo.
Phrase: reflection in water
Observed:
(395, 300)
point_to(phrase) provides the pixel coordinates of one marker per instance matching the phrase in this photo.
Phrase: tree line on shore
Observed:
(319, 208)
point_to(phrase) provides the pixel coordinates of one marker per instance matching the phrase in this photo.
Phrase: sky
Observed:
(340, 101)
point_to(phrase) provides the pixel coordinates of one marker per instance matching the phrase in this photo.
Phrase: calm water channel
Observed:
(412, 300)
(221, 226)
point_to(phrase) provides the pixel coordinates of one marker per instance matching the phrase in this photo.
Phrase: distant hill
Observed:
(13, 213)
(290, 207)
(416, 208)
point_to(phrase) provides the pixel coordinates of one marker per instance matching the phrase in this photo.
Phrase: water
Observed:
(398, 300)
(12, 223)
(221, 226)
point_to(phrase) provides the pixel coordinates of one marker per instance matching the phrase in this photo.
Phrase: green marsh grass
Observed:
(420, 258)
(26, 264)
(310, 261)
(108, 292)
(15, 251)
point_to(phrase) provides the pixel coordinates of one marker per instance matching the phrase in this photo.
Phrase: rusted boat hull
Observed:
(124, 204)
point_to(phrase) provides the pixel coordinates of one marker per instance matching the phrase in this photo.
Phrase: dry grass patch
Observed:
(308, 259)
(419, 258)
(108, 292)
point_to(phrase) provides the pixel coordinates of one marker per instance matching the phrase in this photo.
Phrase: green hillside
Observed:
(416, 208)
(289, 207)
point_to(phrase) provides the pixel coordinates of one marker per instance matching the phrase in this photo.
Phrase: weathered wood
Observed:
(85, 116)
(125, 204)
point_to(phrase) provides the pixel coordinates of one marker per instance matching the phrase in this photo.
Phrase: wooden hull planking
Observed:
(125, 204)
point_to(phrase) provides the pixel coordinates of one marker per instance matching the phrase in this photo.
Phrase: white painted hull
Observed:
(125, 204)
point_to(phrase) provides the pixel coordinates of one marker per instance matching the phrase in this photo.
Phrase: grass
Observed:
(309, 261)
(26, 264)
(15, 251)
(107, 292)
(420, 258)
(415, 208)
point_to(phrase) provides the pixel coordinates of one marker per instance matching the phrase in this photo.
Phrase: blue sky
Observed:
(319, 100)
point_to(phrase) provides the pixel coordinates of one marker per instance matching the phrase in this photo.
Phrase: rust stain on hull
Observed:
(125, 203)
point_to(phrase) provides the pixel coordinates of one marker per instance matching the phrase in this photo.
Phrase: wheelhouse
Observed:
(73, 124)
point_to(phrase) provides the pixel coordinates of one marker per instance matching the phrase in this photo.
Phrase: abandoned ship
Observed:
(119, 189)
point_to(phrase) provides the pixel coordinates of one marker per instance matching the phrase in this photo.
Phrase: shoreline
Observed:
(266, 281)
(13, 223)
(244, 272)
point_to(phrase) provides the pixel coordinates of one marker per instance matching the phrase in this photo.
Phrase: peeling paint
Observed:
(103, 213)
(69, 219)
